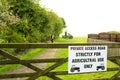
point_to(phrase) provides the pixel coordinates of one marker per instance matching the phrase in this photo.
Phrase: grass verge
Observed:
(31, 54)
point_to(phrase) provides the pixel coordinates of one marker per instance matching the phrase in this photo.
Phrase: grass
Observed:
(90, 76)
(62, 53)
(1, 40)
(31, 54)
(74, 40)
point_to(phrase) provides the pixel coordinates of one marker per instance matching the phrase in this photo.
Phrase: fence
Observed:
(57, 61)
(111, 51)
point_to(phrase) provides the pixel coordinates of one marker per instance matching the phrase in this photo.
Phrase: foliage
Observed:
(27, 21)
(55, 23)
(7, 18)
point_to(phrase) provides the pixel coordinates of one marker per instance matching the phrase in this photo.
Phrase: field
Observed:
(62, 53)
(74, 40)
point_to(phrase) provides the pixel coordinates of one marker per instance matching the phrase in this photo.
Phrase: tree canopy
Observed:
(27, 21)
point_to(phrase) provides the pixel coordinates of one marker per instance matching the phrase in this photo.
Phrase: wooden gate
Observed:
(58, 61)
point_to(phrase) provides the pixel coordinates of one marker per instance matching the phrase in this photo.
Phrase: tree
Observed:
(32, 22)
(56, 23)
(7, 18)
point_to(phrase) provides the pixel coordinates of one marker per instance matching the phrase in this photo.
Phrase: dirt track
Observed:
(50, 53)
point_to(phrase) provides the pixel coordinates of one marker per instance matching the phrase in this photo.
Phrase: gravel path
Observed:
(50, 53)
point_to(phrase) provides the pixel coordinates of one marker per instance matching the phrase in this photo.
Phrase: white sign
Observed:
(87, 59)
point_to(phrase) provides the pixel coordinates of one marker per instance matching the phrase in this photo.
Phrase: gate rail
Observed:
(58, 61)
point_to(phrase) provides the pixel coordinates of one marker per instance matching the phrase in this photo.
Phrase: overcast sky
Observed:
(87, 16)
